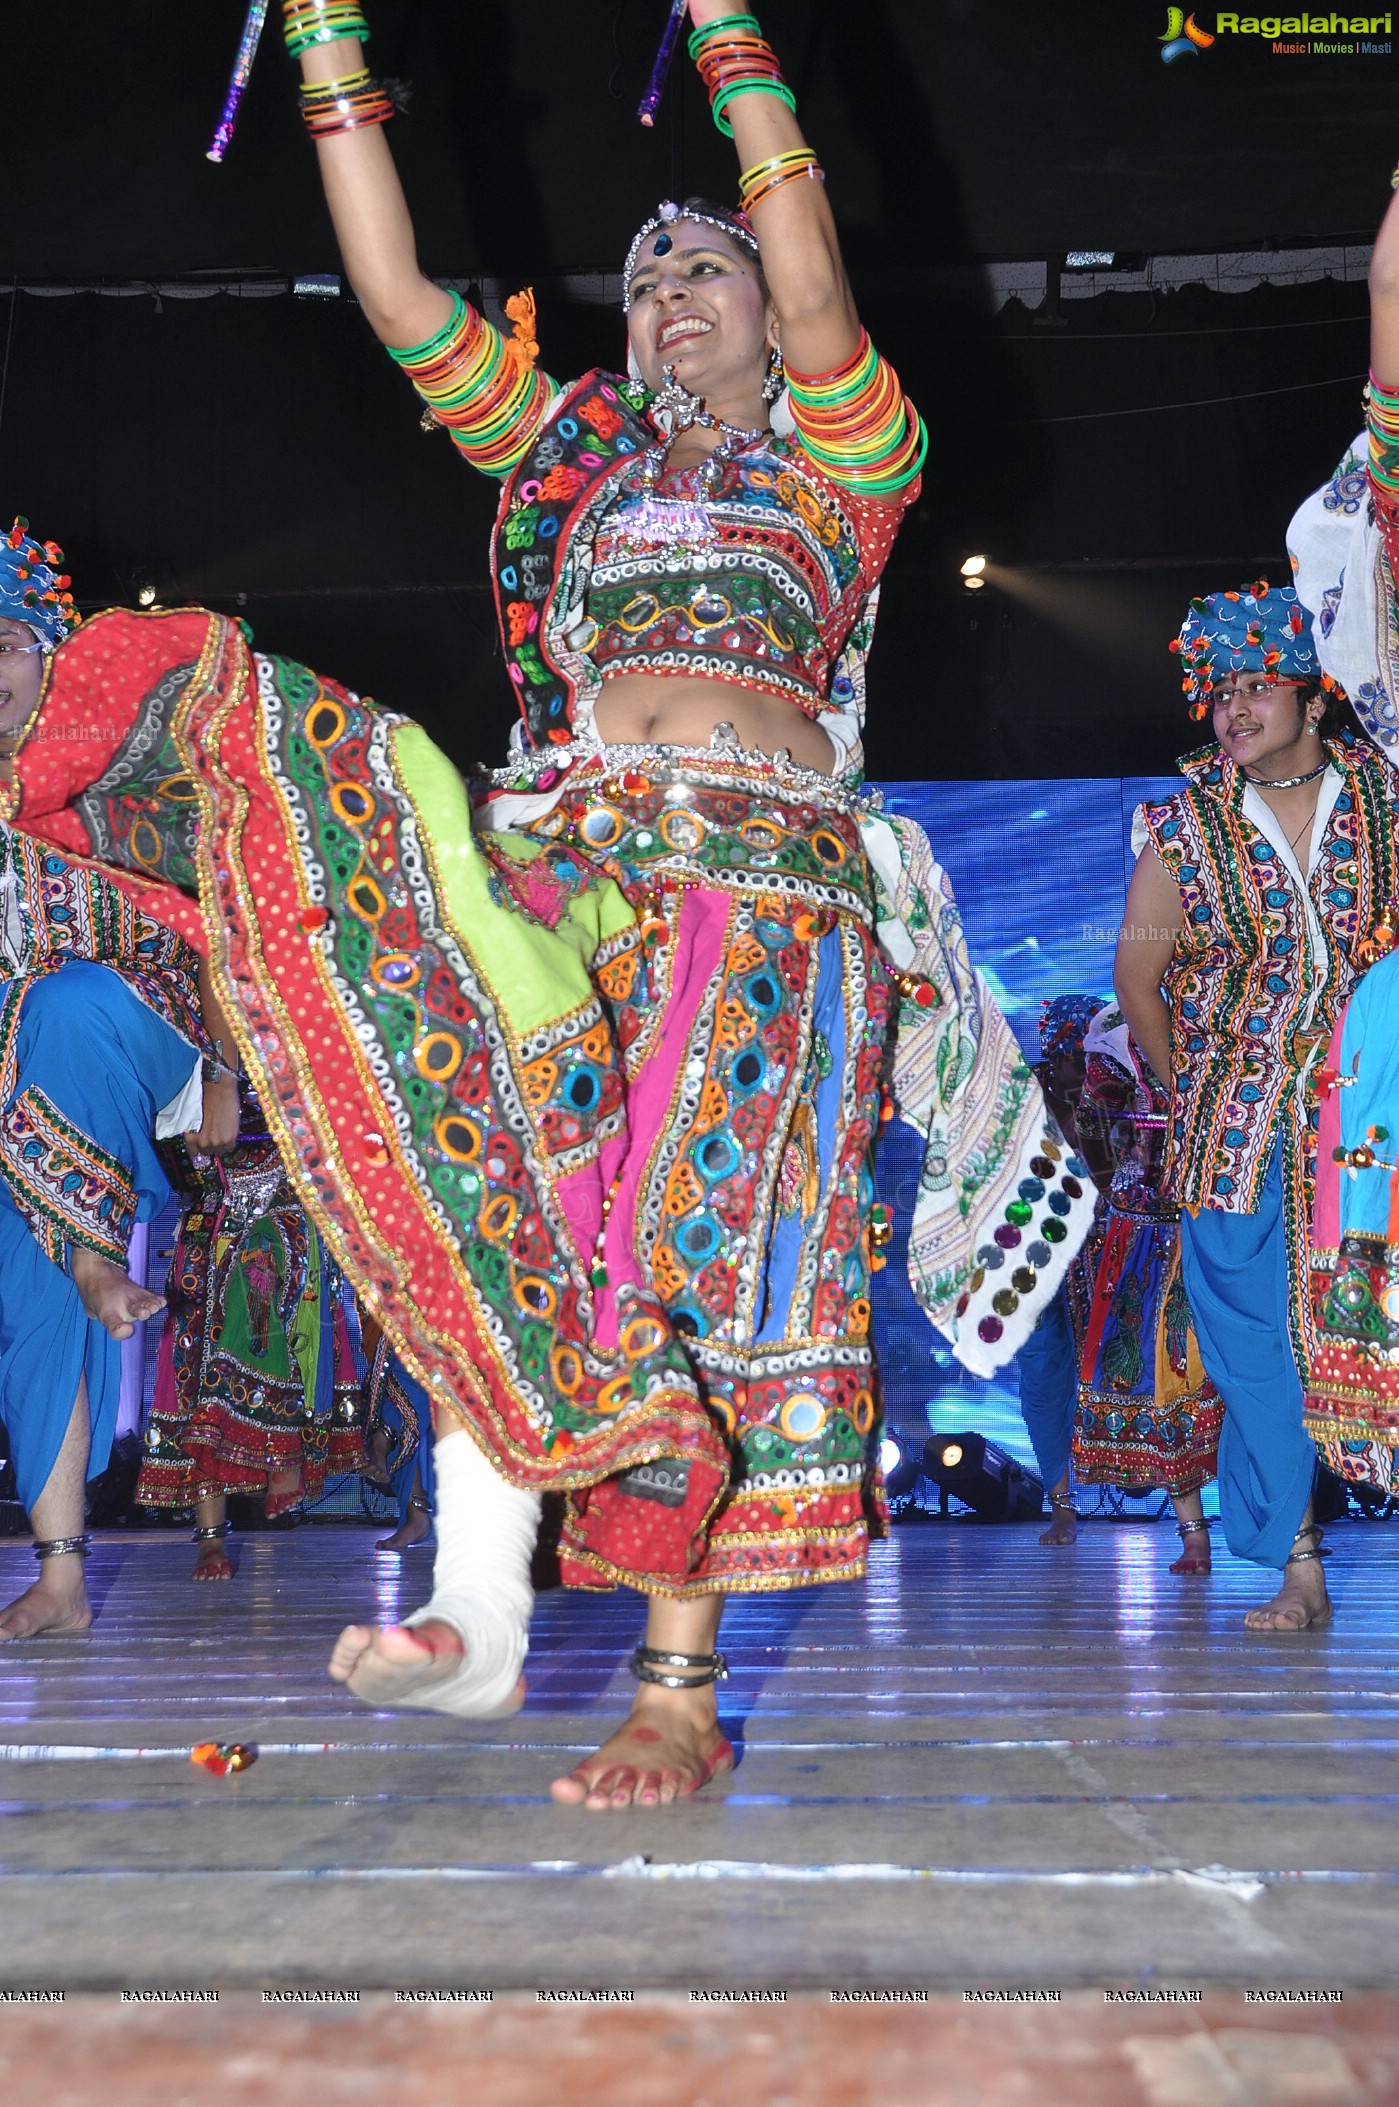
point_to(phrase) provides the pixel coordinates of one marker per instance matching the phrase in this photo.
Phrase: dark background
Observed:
(257, 450)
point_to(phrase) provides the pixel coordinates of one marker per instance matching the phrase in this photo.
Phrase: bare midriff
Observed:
(672, 710)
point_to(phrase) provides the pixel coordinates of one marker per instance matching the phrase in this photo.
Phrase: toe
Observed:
(571, 1791)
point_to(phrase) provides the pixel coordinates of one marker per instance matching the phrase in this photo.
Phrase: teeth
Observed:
(681, 329)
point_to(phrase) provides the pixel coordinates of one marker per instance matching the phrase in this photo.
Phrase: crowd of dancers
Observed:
(565, 1087)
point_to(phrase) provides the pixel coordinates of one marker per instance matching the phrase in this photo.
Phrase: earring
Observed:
(775, 379)
(1315, 730)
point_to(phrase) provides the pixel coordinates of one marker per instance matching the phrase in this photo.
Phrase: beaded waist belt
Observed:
(664, 816)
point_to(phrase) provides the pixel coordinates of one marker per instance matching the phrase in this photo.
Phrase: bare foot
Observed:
(1300, 1604)
(376, 1461)
(283, 1492)
(666, 1750)
(1194, 1553)
(49, 1606)
(387, 1664)
(410, 1531)
(1063, 1529)
(212, 1561)
(109, 1294)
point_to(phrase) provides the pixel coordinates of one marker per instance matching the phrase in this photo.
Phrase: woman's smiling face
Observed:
(699, 306)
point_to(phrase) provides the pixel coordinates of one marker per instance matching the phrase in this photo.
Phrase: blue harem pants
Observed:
(108, 1064)
(1047, 1365)
(1236, 1274)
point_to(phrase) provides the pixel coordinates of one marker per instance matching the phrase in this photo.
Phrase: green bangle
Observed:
(720, 26)
(345, 21)
(748, 87)
(410, 354)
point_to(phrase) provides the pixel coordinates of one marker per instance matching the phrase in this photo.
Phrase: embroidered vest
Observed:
(1244, 968)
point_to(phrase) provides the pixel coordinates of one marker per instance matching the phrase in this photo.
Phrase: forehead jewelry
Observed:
(664, 219)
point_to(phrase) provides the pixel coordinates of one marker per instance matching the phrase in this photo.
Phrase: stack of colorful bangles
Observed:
(344, 105)
(734, 58)
(475, 386)
(308, 22)
(764, 177)
(855, 423)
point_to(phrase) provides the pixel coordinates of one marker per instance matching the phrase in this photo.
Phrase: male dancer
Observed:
(101, 1050)
(1254, 888)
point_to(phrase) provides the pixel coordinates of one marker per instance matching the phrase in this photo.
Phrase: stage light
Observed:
(973, 585)
(1090, 259)
(974, 566)
(984, 1477)
(899, 1464)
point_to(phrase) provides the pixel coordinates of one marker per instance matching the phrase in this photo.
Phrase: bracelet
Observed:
(343, 105)
(309, 22)
(734, 58)
(856, 425)
(764, 177)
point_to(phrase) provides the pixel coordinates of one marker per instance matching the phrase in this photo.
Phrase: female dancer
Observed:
(686, 597)
(256, 1387)
(584, 1109)
(1345, 545)
(1147, 1413)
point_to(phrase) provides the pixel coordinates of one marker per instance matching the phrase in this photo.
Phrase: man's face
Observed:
(21, 673)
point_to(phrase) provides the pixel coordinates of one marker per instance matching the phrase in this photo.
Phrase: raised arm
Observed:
(1151, 922)
(846, 400)
(485, 390)
(362, 189)
(1384, 301)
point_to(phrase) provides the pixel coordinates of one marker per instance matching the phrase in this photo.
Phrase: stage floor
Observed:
(995, 1765)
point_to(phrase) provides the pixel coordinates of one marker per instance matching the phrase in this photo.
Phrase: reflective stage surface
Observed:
(994, 1765)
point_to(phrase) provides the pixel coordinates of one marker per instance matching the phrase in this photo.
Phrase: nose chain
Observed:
(676, 410)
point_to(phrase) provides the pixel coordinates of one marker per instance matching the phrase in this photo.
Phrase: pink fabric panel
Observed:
(699, 948)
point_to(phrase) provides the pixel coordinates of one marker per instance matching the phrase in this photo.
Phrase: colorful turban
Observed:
(1258, 629)
(32, 589)
(1064, 1023)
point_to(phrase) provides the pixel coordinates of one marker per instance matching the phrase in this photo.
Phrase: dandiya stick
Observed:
(242, 67)
(655, 87)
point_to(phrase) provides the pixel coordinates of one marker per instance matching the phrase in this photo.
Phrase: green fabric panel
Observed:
(537, 974)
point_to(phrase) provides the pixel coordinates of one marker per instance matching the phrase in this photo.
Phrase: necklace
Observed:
(676, 410)
(1287, 782)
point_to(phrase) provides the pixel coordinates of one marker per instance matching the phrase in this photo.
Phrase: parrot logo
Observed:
(1182, 36)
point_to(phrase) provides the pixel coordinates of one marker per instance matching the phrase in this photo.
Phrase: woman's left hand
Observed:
(217, 1132)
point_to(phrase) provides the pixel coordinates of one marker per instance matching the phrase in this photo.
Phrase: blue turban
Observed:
(31, 587)
(1064, 1023)
(1258, 629)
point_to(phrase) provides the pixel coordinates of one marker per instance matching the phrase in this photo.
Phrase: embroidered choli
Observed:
(1263, 962)
(759, 583)
(595, 577)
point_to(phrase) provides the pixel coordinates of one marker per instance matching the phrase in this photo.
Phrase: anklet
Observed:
(648, 1663)
(1298, 1558)
(1063, 1503)
(419, 1506)
(1184, 1529)
(212, 1534)
(61, 1546)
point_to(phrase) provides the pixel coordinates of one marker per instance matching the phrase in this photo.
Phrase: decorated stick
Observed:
(655, 87)
(242, 67)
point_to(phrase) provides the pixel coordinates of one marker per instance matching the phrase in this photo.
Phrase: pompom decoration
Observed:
(31, 588)
(1259, 629)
